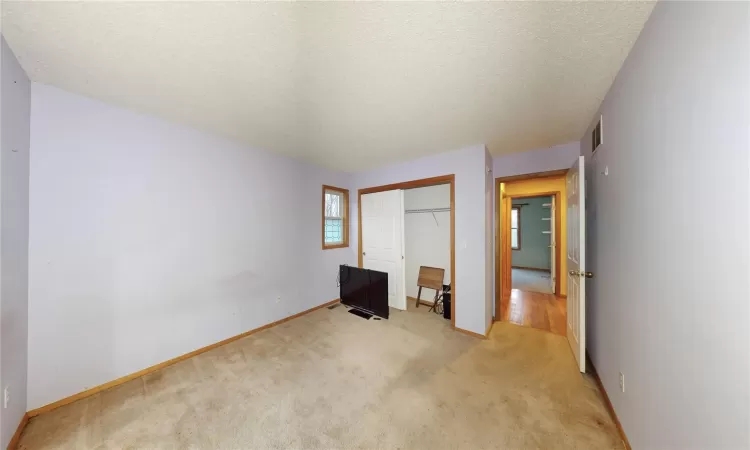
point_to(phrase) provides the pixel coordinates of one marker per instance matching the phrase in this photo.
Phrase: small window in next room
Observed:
(335, 217)
(515, 228)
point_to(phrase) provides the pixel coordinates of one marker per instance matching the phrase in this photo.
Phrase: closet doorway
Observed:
(427, 241)
(424, 236)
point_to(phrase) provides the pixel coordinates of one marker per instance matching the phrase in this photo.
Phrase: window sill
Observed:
(332, 247)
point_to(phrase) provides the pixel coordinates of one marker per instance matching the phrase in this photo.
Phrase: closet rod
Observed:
(427, 210)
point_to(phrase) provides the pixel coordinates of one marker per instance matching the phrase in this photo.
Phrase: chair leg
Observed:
(434, 301)
(419, 295)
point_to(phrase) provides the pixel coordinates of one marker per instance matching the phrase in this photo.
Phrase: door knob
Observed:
(582, 274)
(363, 253)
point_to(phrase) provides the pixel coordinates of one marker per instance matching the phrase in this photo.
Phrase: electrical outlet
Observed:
(6, 396)
(278, 298)
(622, 382)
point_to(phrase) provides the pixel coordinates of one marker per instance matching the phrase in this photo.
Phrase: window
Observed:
(335, 217)
(515, 228)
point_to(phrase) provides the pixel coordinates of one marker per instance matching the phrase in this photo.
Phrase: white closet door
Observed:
(382, 241)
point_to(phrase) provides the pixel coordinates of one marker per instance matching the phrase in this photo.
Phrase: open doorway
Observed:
(531, 215)
(399, 242)
(532, 237)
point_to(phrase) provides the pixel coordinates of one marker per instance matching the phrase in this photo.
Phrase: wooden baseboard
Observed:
(17, 436)
(421, 302)
(531, 268)
(140, 373)
(610, 408)
(470, 333)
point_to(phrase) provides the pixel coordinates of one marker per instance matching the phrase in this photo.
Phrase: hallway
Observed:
(536, 310)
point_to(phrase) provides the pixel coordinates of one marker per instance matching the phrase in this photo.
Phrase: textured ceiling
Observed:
(346, 85)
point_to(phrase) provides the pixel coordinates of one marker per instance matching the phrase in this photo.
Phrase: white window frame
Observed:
(517, 228)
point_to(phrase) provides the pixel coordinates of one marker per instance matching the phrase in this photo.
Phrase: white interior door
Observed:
(382, 241)
(576, 254)
(552, 246)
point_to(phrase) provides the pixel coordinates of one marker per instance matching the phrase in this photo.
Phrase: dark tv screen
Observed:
(377, 293)
(364, 289)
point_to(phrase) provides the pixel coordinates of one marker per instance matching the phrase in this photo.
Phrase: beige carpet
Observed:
(332, 380)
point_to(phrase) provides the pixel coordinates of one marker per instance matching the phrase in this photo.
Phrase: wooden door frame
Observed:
(503, 252)
(424, 182)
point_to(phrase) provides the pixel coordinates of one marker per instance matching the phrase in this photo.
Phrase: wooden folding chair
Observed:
(431, 278)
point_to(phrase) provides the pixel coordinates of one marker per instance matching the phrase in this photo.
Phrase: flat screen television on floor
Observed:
(364, 289)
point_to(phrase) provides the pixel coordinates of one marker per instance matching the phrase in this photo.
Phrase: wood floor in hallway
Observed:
(536, 310)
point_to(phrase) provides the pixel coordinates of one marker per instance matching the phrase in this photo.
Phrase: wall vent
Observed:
(596, 136)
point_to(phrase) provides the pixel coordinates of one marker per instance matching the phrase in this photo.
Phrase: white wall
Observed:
(669, 305)
(427, 243)
(14, 238)
(540, 160)
(468, 165)
(149, 240)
